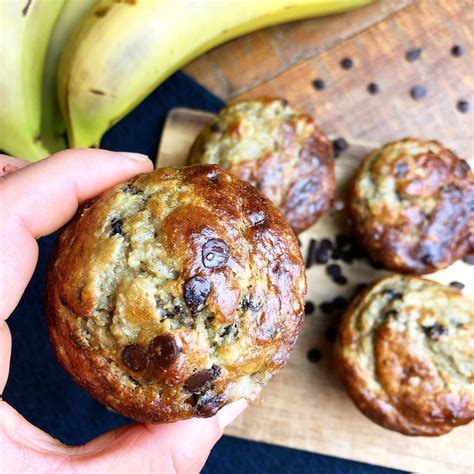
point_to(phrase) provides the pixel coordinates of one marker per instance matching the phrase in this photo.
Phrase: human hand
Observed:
(35, 200)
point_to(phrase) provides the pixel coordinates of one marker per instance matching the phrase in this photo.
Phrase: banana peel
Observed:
(53, 127)
(25, 29)
(125, 48)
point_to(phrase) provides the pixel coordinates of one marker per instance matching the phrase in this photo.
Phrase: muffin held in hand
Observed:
(405, 352)
(277, 149)
(412, 206)
(175, 294)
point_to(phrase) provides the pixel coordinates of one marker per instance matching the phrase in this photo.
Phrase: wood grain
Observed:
(235, 67)
(305, 405)
(344, 107)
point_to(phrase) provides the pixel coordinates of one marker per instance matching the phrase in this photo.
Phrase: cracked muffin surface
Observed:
(412, 206)
(174, 294)
(277, 149)
(405, 350)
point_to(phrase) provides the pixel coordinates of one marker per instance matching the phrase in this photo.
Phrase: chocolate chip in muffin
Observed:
(413, 54)
(208, 404)
(436, 331)
(215, 253)
(226, 330)
(116, 225)
(392, 294)
(458, 285)
(215, 127)
(135, 358)
(196, 291)
(127, 188)
(197, 381)
(469, 259)
(192, 399)
(314, 355)
(250, 303)
(163, 351)
(391, 314)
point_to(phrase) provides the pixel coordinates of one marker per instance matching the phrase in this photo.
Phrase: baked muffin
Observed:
(175, 294)
(405, 350)
(412, 206)
(277, 149)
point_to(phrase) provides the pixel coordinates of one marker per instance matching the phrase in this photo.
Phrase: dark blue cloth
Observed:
(40, 389)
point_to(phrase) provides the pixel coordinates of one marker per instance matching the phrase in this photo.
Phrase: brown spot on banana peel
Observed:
(101, 12)
(26, 8)
(97, 92)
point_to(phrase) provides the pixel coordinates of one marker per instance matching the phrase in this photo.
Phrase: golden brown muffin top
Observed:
(175, 293)
(412, 206)
(406, 353)
(277, 149)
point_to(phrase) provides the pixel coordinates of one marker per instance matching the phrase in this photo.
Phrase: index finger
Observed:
(40, 198)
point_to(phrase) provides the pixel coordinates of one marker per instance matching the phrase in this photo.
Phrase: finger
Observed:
(178, 447)
(41, 197)
(8, 164)
(5, 352)
(45, 195)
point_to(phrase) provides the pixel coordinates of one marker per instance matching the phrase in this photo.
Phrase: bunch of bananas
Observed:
(81, 65)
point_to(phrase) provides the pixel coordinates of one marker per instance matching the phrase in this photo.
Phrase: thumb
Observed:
(180, 447)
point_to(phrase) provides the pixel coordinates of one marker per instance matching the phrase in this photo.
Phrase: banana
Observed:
(25, 29)
(53, 128)
(126, 48)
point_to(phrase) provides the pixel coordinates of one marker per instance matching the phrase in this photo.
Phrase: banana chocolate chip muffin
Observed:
(405, 350)
(175, 294)
(412, 206)
(277, 149)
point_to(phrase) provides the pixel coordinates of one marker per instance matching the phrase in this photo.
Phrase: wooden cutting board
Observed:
(305, 406)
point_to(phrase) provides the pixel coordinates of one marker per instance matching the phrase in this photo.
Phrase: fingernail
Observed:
(230, 412)
(135, 156)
